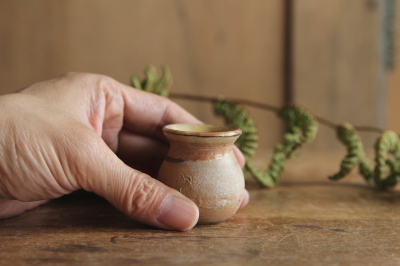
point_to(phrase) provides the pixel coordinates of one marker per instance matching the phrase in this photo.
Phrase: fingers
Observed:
(147, 114)
(239, 156)
(10, 208)
(136, 194)
(135, 149)
(245, 199)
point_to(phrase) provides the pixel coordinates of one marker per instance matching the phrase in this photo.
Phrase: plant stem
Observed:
(267, 107)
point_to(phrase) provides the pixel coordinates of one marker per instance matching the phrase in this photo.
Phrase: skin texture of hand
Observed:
(87, 131)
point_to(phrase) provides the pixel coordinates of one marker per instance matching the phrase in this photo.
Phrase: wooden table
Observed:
(305, 220)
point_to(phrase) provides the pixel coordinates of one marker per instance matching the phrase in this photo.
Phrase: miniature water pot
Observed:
(202, 166)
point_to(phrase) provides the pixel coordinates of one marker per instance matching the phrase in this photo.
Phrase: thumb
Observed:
(136, 194)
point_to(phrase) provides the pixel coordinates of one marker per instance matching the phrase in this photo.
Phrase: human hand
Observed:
(65, 134)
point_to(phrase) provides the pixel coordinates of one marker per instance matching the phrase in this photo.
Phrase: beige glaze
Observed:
(201, 165)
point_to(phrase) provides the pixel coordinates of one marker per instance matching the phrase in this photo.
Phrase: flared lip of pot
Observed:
(202, 130)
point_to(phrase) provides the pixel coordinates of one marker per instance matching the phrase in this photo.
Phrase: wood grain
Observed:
(306, 220)
(213, 47)
(337, 64)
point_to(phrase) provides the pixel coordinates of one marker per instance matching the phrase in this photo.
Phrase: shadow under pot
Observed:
(202, 166)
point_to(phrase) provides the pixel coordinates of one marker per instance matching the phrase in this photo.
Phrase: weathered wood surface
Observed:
(337, 65)
(306, 220)
(393, 94)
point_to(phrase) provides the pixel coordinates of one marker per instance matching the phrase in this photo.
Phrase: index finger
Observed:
(146, 113)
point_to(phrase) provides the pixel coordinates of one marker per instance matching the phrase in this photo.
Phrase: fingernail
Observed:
(178, 214)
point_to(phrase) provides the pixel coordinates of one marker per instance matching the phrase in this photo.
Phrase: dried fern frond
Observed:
(301, 128)
(348, 135)
(153, 83)
(235, 115)
(386, 172)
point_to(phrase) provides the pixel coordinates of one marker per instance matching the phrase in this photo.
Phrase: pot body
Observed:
(202, 166)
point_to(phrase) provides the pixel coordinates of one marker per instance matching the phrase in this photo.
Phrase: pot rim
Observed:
(202, 130)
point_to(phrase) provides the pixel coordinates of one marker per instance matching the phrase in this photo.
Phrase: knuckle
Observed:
(106, 81)
(79, 79)
(170, 106)
(169, 102)
(72, 75)
(146, 197)
(101, 81)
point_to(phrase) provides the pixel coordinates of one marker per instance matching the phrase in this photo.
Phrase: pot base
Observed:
(216, 186)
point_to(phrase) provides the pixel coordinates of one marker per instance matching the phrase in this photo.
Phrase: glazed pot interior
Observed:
(201, 130)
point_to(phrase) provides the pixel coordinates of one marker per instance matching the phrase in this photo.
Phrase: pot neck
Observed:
(195, 148)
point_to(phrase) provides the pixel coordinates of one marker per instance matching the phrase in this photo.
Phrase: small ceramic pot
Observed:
(202, 166)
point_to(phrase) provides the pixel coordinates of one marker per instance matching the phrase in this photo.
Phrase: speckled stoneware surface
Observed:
(202, 166)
